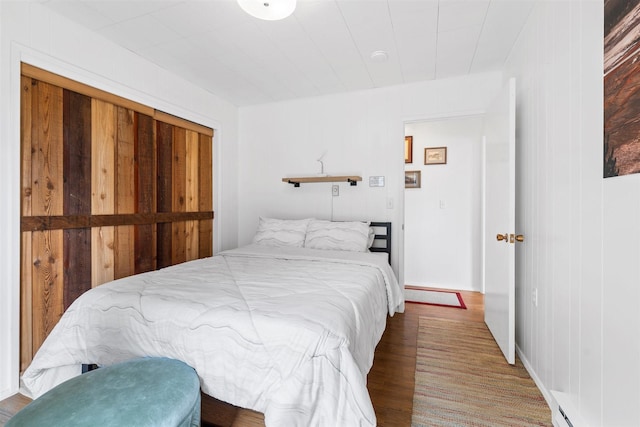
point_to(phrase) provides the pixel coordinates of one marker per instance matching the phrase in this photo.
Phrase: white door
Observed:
(499, 217)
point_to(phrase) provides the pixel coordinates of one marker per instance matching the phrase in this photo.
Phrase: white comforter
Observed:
(290, 333)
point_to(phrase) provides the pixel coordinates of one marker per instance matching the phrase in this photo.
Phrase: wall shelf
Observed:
(296, 181)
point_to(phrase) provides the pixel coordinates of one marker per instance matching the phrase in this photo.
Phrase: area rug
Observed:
(433, 297)
(462, 379)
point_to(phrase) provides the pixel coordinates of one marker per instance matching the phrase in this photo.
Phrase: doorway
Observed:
(443, 212)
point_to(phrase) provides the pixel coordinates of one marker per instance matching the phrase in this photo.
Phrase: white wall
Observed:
(31, 33)
(362, 133)
(582, 250)
(443, 218)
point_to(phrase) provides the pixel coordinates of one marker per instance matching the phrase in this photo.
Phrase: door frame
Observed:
(436, 118)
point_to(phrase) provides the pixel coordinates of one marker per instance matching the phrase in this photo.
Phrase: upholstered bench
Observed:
(142, 392)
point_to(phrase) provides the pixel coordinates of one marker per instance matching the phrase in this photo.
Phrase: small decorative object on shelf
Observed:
(296, 181)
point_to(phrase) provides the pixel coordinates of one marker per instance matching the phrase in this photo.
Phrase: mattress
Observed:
(290, 332)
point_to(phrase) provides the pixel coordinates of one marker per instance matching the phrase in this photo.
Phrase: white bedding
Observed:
(290, 332)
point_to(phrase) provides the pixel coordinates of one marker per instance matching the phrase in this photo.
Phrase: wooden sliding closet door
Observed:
(103, 145)
(184, 186)
(205, 195)
(77, 190)
(42, 195)
(109, 189)
(165, 191)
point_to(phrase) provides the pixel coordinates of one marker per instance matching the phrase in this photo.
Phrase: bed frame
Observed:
(382, 242)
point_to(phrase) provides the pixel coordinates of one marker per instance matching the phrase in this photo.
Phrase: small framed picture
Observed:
(435, 156)
(408, 149)
(411, 179)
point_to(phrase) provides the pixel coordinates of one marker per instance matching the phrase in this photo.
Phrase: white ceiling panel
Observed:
(504, 23)
(181, 50)
(304, 61)
(122, 10)
(455, 51)
(139, 33)
(355, 78)
(324, 47)
(373, 31)
(210, 45)
(461, 14)
(81, 12)
(415, 25)
(197, 17)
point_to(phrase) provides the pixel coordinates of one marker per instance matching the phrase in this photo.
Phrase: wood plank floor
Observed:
(390, 381)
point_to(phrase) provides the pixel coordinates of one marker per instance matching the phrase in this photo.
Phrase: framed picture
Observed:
(408, 149)
(621, 99)
(411, 179)
(435, 156)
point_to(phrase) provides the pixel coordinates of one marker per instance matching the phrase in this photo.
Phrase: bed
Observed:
(286, 326)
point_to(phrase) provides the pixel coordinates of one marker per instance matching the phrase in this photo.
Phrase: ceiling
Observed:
(324, 47)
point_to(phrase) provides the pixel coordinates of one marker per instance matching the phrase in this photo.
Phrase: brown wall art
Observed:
(621, 88)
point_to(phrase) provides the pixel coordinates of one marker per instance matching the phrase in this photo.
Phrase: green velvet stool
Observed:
(152, 392)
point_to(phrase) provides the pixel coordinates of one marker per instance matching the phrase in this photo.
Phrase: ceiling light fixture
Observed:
(379, 56)
(269, 10)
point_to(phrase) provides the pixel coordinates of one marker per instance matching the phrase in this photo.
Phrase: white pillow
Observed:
(372, 237)
(338, 236)
(281, 232)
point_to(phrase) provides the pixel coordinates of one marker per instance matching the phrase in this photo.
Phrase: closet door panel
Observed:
(125, 184)
(103, 147)
(191, 194)
(145, 166)
(124, 244)
(77, 153)
(145, 247)
(205, 194)
(26, 301)
(179, 195)
(103, 140)
(179, 170)
(125, 193)
(47, 291)
(47, 199)
(145, 178)
(26, 277)
(77, 263)
(26, 125)
(46, 150)
(77, 193)
(164, 144)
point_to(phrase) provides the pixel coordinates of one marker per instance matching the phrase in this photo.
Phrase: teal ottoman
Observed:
(141, 392)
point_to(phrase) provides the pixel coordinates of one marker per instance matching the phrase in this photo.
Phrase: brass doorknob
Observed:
(519, 238)
(504, 237)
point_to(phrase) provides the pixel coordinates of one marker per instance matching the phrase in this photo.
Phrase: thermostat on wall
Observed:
(376, 181)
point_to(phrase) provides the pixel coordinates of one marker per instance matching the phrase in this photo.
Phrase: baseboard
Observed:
(8, 391)
(548, 397)
(563, 413)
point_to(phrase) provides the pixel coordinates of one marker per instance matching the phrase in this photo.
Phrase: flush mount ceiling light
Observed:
(269, 10)
(379, 56)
